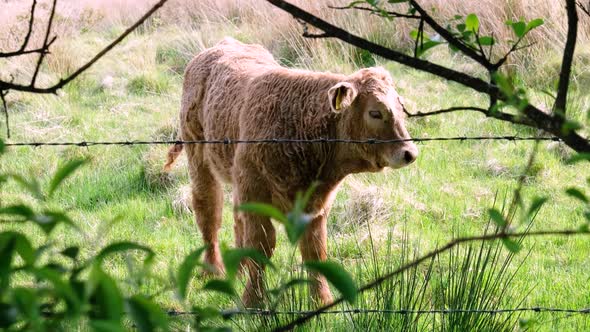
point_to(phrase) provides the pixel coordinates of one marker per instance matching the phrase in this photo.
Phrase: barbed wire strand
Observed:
(229, 141)
(260, 312)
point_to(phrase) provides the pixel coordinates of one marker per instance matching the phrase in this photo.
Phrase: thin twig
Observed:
(379, 12)
(25, 52)
(30, 28)
(568, 58)
(503, 60)
(46, 43)
(517, 199)
(495, 114)
(586, 10)
(3, 97)
(419, 42)
(416, 262)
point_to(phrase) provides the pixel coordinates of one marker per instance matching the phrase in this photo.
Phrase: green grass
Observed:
(410, 211)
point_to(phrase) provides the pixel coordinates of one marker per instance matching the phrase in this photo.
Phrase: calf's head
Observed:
(370, 108)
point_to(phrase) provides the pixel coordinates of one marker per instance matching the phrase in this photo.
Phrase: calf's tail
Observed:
(173, 153)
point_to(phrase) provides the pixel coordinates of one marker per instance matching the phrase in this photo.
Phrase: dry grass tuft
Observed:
(181, 201)
(154, 175)
(364, 209)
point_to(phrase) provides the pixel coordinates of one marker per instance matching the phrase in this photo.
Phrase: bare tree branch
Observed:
(458, 241)
(492, 114)
(568, 55)
(4, 86)
(539, 119)
(438, 70)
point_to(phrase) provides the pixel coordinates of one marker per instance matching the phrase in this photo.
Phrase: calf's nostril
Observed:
(409, 157)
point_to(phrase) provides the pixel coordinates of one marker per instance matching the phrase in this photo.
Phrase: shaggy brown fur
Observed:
(238, 91)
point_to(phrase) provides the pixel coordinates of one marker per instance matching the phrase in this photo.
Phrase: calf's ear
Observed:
(341, 96)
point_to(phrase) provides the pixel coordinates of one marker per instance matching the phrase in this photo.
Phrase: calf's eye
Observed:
(376, 114)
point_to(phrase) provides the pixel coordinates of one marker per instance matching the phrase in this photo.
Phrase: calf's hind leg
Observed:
(207, 201)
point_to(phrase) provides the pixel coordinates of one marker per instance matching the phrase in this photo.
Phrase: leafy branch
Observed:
(534, 116)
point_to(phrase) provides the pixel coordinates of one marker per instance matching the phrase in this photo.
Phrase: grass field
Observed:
(378, 219)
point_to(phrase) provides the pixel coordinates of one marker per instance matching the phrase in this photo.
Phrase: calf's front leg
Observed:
(313, 247)
(253, 231)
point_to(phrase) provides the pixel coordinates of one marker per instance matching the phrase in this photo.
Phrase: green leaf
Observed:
(185, 271)
(146, 315)
(337, 276)
(472, 23)
(18, 243)
(263, 209)
(64, 172)
(511, 245)
(570, 125)
(233, 257)
(32, 186)
(62, 288)
(582, 156)
(122, 247)
(486, 41)
(422, 48)
(534, 24)
(71, 252)
(26, 302)
(519, 28)
(19, 210)
(461, 27)
(297, 218)
(2, 147)
(25, 249)
(100, 325)
(498, 218)
(105, 296)
(49, 219)
(577, 193)
(418, 35)
(291, 283)
(536, 205)
(296, 226)
(220, 286)
(8, 315)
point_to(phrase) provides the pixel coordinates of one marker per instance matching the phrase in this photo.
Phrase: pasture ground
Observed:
(134, 92)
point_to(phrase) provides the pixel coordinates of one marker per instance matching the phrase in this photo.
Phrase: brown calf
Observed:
(238, 91)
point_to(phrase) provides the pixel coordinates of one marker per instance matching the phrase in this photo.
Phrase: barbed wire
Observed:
(261, 312)
(229, 141)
